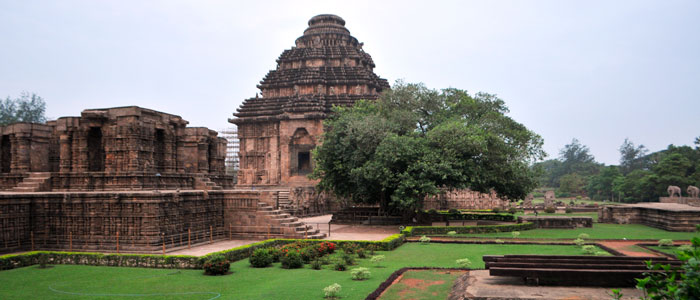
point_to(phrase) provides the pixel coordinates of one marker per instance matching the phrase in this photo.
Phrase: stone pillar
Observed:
(202, 156)
(65, 153)
(21, 156)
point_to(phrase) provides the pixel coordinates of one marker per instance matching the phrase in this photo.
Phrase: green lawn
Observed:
(598, 231)
(70, 281)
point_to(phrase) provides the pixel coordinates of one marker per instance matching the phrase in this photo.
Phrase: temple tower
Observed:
(278, 129)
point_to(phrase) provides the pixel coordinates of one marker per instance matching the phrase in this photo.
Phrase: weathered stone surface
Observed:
(667, 216)
(465, 199)
(557, 221)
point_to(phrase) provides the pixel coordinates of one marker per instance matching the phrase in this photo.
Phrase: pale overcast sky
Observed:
(599, 71)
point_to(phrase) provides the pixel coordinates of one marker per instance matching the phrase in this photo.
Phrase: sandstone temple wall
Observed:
(464, 199)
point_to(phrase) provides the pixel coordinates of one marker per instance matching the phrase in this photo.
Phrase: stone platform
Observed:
(477, 284)
(557, 221)
(666, 216)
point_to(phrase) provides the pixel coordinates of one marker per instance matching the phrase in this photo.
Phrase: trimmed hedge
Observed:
(12, 261)
(428, 230)
(442, 216)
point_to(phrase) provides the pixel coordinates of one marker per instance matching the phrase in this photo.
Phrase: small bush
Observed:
(515, 234)
(332, 290)
(424, 240)
(499, 241)
(348, 259)
(454, 211)
(316, 264)
(324, 260)
(292, 260)
(377, 259)
(452, 233)
(308, 253)
(601, 253)
(340, 266)
(588, 249)
(579, 242)
(568, 210)
(584, 236)
(43, 260)
(350, 248)
(685, 248)
(275, 254)
(360, 273)
(512, 210)
(550, 209)
(260, 258)
(463, 263)
(496, 209)
(216, 265)
(433, 212)
(665, 243)
(361, 253)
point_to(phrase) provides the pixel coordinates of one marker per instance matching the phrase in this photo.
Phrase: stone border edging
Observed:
(390, 280)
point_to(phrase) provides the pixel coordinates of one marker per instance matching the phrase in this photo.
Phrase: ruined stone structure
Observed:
(667, 216)
(278, 129)
(465, 199)
(125, 179)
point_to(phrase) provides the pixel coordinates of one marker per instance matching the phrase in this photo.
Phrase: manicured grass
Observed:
(598, 231)
(669, 250)
(245, 282)
(422, 284)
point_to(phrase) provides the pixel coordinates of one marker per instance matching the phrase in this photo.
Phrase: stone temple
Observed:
(279, 128)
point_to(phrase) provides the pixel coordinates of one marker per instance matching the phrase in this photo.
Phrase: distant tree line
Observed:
(640, 176)
(26, 108)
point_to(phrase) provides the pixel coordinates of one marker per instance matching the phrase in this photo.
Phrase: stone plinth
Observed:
(557, 221)
(667, 216)
(681, 200)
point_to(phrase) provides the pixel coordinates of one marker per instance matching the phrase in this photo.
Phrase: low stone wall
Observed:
(667, 216)
(100, 181)
(557, 221)
(464, 199)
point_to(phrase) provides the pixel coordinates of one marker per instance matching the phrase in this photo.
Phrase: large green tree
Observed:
(26, 108)
(632, 157)
(413, 141)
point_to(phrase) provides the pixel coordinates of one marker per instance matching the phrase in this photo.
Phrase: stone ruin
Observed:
(465, 199)
(125, 179)
(549, 198)
(279, 128)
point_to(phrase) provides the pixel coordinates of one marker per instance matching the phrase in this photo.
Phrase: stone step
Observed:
(40, 174)
(293, 224)
(34, 179)
(28, 184)
(23, 189)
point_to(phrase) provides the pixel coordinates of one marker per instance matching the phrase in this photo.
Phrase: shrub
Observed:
(216, 265)
(292, 260)
(332, 290)
(499, 241)
(579, 242)
(601, 253)
(454, 211)
(665, 243)
(512, 210)
(377, 259)
(697, 227)
(340, 266)
(360, 273)
(275, 254)
(43, 260)
(260, 258)
(324, 260)
(361, 253)
(550, 209)
(684, 248)
(674, 284)
(433, 212)
(348, 259)
(326, 248)
(568, 210)
(463, 263)
(588, 249)
(350, 248)
(308, 253)
(584, 236)
(316, 264)
(496, 209)
(515, 234)
(451, 233)
(424, 240)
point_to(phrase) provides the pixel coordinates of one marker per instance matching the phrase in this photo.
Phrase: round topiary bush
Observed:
(550, 209)
(261, 258)
(216, 265)
(292, 260)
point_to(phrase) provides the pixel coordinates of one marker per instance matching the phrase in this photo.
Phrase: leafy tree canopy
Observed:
(413, 140)
(632, 157)
(26, 108)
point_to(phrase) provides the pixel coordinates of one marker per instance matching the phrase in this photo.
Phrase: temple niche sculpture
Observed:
(278, 130)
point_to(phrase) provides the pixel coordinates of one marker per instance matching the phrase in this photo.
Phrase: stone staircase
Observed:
(204, 183)
(285, 204)
(35, 182)
(296, 227)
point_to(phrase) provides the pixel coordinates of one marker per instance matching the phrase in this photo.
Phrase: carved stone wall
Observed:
(667, 216)
(464, 199)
